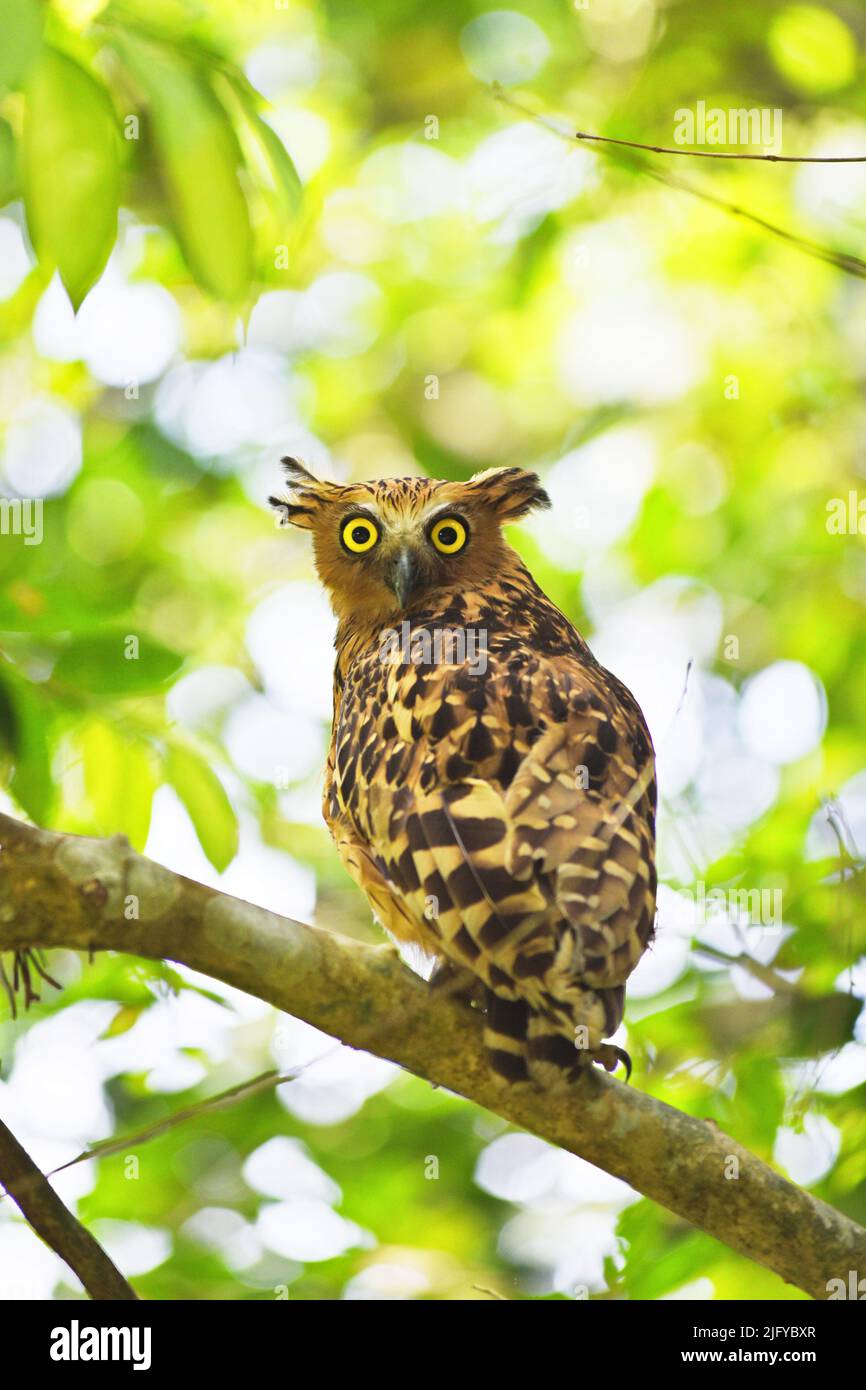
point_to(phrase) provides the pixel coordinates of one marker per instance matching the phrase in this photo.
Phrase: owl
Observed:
(489, 785)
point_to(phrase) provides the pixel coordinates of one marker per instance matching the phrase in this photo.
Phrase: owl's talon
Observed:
(609, 1056)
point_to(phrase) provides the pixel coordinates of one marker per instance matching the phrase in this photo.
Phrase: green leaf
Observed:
(207, 805)
(120, 778)
(199, 157)
(287, 178)
(661, 1256)
(759, 1101)
(21, 27)
(813, 48)
(70, 171)
(126, 1017)
(8, 721)
(116, 663)
(278, 162)
(31, 783)
(8, 164)
(25, 725)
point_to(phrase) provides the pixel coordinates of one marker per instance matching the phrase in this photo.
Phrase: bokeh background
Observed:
(333, 241)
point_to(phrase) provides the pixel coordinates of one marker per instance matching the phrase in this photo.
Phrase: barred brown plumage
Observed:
(493, 794)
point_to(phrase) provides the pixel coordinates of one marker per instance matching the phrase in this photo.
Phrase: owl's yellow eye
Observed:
(359, 535)
(449, 535)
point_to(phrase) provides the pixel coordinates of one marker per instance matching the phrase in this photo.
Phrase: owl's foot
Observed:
(525, 1046)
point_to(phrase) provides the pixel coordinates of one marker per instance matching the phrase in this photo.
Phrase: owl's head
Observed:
(386, 546)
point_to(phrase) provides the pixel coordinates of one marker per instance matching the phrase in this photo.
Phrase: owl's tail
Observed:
(550, 1049)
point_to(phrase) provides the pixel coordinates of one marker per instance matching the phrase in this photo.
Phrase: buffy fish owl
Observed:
(489, 785)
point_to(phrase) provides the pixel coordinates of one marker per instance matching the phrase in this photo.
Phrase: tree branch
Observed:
(51, 1220)
(67, 891)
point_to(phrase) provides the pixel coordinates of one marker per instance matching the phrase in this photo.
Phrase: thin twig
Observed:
(838, 823)
(765, 973)
(689, 664)
(264, 1082)
(509, 100)
(842, 260)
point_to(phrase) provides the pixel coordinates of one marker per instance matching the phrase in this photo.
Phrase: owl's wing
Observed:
(391, 909)
(581, 811)
(443, 852)
(495, 838)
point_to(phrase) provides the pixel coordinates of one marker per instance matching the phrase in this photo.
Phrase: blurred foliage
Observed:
(453, 288)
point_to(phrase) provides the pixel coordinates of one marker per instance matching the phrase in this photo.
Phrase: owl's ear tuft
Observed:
(307, 495)
(510, 492)
(296, 471)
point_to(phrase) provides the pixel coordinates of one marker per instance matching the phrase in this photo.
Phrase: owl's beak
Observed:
(404, 575)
